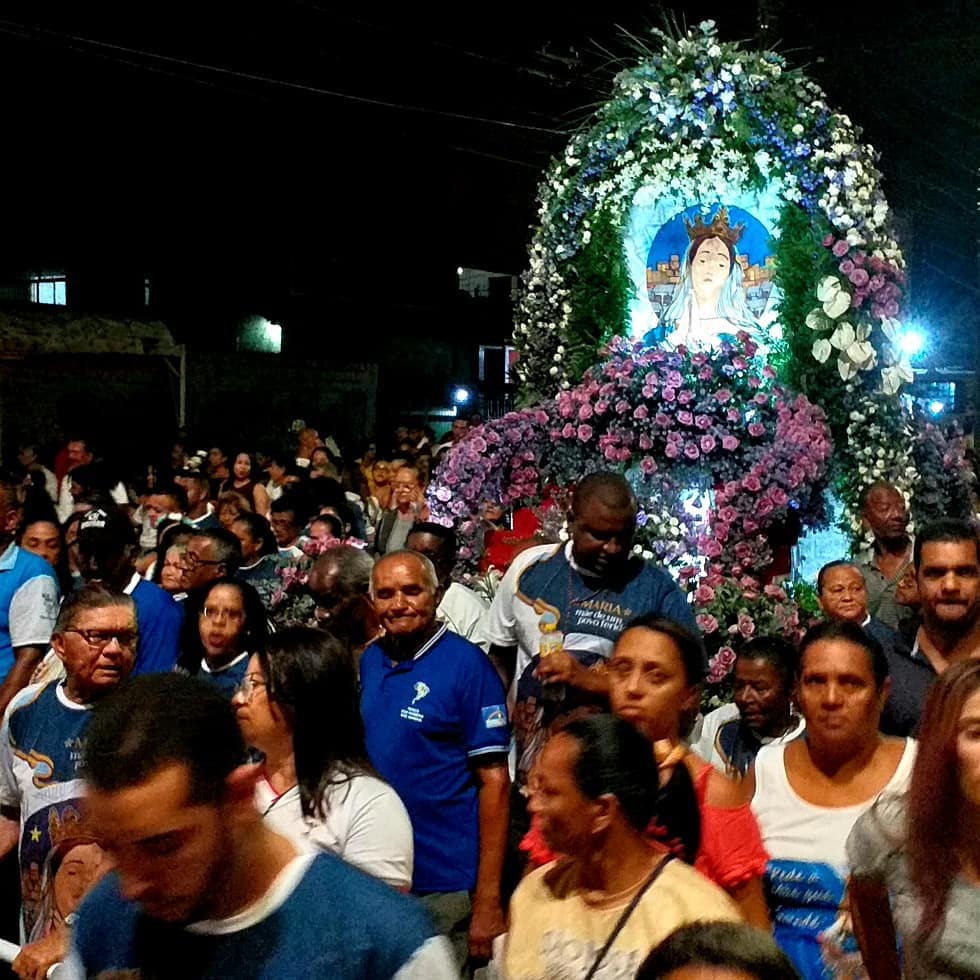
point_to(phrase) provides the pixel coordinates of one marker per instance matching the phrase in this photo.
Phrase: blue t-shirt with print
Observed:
(428, 721)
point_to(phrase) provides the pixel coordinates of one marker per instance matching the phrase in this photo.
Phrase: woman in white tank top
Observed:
(810, 792)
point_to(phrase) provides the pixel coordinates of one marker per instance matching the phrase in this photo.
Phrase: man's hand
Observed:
(486, 923)
(561, 667)
(35, 959)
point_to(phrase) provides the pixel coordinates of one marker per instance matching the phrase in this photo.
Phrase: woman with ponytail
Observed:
(655, 674)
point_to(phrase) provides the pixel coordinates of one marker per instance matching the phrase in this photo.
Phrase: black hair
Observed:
(777, 652)
(312, 676)
(848, 633)
(227, 548)
(295, 502)
(829, 567)
(255, 624)
(157, 720)
(174, 490)
(736, 945)
(688, 645)
(611, 488)
(446, 536)
(615, 758)
(947, 530)
(44, 511)
(259, 529)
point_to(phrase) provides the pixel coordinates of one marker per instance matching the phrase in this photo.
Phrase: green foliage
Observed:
(600, 293)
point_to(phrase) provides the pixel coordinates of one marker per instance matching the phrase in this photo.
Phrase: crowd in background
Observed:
(223, 677)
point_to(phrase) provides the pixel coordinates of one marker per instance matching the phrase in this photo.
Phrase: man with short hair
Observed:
(28, 601)
(160, 503)
(41, 742)
(106, 550)
(947, 567)
(885, 513)
(340, 583)
(200, 513)
(585, 591)
(843, 597)
(460, 608)
(201, 886)
(435, 716)
(210, 554)
(287, 517)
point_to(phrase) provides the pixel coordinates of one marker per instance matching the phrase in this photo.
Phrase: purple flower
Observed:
(706, 374)
(739, 362)
(585, 432)
(684, 396)
(723, 395)
(674, 379)
(669, 394)
(840, 248)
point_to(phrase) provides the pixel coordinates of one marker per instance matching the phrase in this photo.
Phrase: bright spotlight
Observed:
(461, 395)
(912, 341)
(937, 407)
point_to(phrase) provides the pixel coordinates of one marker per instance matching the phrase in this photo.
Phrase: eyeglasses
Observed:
(214, 612)
(100, 639)
(249, 685)
(191, 561)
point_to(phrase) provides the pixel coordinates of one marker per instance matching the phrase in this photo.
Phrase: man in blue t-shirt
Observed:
(107, 549)
(435, 716)
(201, 886)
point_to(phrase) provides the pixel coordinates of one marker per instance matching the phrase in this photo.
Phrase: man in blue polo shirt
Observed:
(28, 601)
(435, 716)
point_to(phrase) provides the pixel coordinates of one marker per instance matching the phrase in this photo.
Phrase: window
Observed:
(49, 289)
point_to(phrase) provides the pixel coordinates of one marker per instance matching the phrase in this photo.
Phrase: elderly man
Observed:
(460, 608)
(210, 555)
(436, 723)
(885, 514)
(201, 886)
(842, 597)
(340, 583)
(40, 759)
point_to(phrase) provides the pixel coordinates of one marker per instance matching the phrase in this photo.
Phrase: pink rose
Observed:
(739, 362)
(728, 514)
(704, 594)
(674, 379)
(641, 412)
(649, 465)
(746, 626)
(749, 526)
(645, 442)
(708, 444)
(707, 623)
(733, 415)
(601, 407)
(828, 241)
(669, 394)
(779, 496)
(691, 451)
(757, 429)
(622, 406)
(723, 395)
(585, 433)
(840, 248)
(750, 482)
(729, 443)
(711, 549)
(703, 422)
(706, 374)
(685, 417)
(568, 431)
(662, 420)
(859, 277)
(685, 397)
(671, 451)
(585, 411)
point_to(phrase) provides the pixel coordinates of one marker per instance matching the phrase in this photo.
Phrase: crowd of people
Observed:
(419, 780)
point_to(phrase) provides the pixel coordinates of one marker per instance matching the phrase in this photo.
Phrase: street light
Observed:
(937, 407)
(912, 341)
(461, 395)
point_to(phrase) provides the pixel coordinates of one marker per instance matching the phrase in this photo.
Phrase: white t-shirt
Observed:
(366, 825)
(465, 613)
(704, 744)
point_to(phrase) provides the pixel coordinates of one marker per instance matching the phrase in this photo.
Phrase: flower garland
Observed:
(697, 119)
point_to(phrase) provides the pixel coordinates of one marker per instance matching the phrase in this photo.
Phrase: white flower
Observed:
(842, 337)
(817, 320)
(846, 367)
(821, 349)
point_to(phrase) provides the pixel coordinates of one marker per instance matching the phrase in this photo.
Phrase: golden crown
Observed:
(719, 228)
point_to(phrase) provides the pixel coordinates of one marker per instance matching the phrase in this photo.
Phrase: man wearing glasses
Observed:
(211, 554)
(41, 742)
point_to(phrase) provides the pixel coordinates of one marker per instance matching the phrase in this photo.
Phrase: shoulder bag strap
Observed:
(627, 912)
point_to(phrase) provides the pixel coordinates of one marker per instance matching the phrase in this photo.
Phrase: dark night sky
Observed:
(270, 147)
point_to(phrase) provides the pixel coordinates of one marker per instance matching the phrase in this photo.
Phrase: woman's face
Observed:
(837, 693)
(968, 749)
(258, 720)
(319, 459)
(648, 686)
(242, 467)
(710, 268)
(42, 538)
(561, 810)
(228, 513)
(222, 621)
(381, 474)
(172, 573)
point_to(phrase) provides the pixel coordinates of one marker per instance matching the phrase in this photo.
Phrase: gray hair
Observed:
(428, 569)
(92, 596)
(353, 567)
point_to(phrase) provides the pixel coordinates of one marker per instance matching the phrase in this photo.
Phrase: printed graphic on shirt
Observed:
(494, 716)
